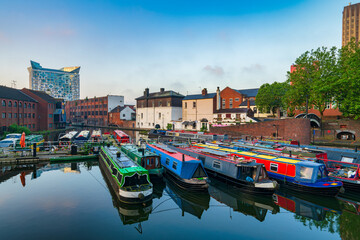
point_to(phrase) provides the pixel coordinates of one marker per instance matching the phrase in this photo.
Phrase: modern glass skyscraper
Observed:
(63, 83)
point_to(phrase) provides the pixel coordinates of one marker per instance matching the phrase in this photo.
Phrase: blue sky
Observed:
(125, 46)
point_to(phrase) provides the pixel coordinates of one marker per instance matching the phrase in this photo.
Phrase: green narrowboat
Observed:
(147, 159)
(130, 181)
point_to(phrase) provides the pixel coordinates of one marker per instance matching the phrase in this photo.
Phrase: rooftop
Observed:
(162, 94)
(244, 103)
(249, 92)
(37, 66)
(232, 110)
(13, 93)
(199, 96)
(44, 96)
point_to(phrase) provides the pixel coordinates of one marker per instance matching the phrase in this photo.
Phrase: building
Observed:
(126, 113)
(233, 116)
(63, 83)
(198, 110)
(350, 23)
(92, 111)
(158, 108)
(18, 108)
(51, 112)
(231, 98)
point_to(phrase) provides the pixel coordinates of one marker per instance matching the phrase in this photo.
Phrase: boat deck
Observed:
(177, 155)
(123, 161)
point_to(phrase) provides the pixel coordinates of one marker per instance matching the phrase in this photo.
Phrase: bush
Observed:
(14, 128)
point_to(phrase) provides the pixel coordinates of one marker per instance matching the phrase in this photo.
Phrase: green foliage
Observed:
(271, 96)
(14, 128)
(314, 77)
(203, 129)
(347, 86)
(169, 126)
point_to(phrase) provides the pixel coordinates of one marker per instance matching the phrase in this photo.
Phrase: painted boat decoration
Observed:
(249, 175)
(130, 180)
(145, 158)
(96, 136)
(188, 172)
(129, 213)
(83, 136)
(190, 202)
(347, 173)
(121, 137)
(248, 204)
(303, 176)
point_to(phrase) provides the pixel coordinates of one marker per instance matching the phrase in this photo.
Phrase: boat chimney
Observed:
(183, 158)
(118, 154)
(218, 99)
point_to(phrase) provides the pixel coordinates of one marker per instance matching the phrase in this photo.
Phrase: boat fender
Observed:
(141, 196)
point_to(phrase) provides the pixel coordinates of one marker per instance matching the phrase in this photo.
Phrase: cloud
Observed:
(254, 68)
(216, 70)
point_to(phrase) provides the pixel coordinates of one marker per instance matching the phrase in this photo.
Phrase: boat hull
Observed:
(184, 184)
(330, 191)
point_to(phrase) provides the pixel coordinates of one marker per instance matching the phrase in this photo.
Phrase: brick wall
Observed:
(294, 129)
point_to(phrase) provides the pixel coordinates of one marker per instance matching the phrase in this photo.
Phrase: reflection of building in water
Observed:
(248, 204)
(129, 213)
(309, 206)
(190, 202)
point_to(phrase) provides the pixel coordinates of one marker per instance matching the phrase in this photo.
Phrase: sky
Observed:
(124, 46)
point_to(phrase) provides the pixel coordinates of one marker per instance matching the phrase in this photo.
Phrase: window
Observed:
(20, 104)
(167, 161)
(33, 105)
(15, 104)
(273, 167)
(228, 115)
(50, 125)
(216, 164)
(168, 103)
(25, 115)
(3, 115)
(29, 116)
(223, 103)
(237, 99)
(19, 115)
(231, 102)
(306, 172)
(29, 126)
(25, 105)
(159, 115)
(194, 104)
(255, 110)
(160, 103)
(10, 115)
(33, 126)
(10, 104)
(3, 103)
(15, 115)
(174, 165)
(124, 115)
(185, 106)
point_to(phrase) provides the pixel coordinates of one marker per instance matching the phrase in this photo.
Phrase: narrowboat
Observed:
(30, 140)
(82, 137)
(96, 136)
(190, 202)
(188, 172)
(121, 137)
(347, 173)
(147, 159)
(130, 180)
(248, 204)
(299, 175)
(251, 176)
(67, 138)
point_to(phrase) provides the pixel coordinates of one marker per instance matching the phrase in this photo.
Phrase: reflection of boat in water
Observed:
(350, 203)
(190, 202)
(129, 213)
(158, 187)
(310, 206)
(248, 204)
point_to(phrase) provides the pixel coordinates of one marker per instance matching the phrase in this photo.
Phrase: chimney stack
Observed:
(146, 92)
(162, 90)
(218, 99)
(204, 92)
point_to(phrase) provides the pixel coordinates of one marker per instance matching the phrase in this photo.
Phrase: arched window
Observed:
(3, 103)
(20, 104)
(15, 104)
(25, 105)
(10, 104)
(33, 105)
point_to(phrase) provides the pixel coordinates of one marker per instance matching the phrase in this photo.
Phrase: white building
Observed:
(233, 116)
(158, 108)
(126, 112)
(114, 101)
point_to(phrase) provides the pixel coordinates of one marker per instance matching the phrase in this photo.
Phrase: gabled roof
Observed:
(13, 93)
(119, 109)
(244, 103)
(249, 92)
(44, 96)
(199, 96)
(163, 94)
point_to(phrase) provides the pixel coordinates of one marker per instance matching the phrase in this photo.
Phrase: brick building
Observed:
(160, 108)
(18, 108)
(92, 111)
(350, 23)
(51, 113)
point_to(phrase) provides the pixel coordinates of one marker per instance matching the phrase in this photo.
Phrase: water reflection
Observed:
(248, 204)
(190, 202)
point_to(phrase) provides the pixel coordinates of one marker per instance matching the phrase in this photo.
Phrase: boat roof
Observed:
(175, 154)
(135, 150)
(69, 135)
(96, 133)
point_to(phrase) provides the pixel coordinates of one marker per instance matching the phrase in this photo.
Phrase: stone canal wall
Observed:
(294, 129)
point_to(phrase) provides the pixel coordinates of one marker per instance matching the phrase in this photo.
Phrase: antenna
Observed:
(13, 84)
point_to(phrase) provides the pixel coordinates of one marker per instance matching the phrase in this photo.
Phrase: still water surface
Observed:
(68, 201)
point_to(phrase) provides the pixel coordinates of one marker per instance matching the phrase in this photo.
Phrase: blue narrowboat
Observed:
(187, 172)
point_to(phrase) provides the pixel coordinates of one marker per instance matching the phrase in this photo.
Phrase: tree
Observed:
(271, 96)
(347, 86)
(311, 84)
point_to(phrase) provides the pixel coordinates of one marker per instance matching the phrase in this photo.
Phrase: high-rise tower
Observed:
(350, 26)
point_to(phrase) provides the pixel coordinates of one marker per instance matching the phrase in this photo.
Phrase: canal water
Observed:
(75, 201)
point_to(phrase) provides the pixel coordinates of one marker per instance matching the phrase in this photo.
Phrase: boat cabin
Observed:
(311, 172)
(251, 172)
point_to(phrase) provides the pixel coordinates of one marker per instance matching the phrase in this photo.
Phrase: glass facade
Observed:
(63, 83)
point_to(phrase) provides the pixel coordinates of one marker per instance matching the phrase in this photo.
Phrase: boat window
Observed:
(216, 164)
(158, 162)
(148, 162)
(263, 174)
(274, 167)
(167, 161)
(152, 161)
(199, 172)
(306, 172)
(174, 165)
(114, 171)
(119, 177)
(135, 180)
(247, 173)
